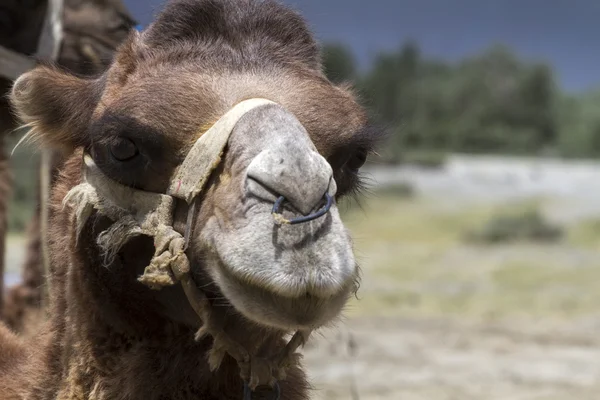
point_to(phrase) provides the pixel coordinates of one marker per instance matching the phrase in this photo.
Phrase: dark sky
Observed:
(565, 33)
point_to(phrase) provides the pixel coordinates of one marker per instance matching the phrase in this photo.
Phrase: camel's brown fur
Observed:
(92, 31)
(108, 337)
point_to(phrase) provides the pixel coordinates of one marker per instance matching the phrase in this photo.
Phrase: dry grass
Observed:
(586, 234)
(416, 264)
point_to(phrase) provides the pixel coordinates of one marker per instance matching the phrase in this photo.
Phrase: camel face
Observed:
(166, 88)
(286, 276)
(276, 274)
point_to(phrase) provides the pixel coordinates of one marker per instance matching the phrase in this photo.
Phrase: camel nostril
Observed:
(301, 177)
(277, 214)
(260, 190)
(280, 202)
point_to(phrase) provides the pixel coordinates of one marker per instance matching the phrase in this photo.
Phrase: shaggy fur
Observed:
(109, 337)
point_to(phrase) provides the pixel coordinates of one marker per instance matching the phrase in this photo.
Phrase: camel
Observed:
(92, 31)
(194, 224)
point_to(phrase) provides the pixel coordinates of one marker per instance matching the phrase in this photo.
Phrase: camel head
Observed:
(171, 84)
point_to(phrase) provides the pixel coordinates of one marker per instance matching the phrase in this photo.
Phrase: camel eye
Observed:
(123, 149)
(357, 160)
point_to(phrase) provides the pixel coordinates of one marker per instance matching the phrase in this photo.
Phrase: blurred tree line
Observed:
(493, 103)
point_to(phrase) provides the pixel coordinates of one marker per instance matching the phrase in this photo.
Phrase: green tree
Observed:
(537, 98)
(493, 102)
(390, 90)
(578, 125)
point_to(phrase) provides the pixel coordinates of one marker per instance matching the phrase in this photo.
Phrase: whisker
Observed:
(29, 137)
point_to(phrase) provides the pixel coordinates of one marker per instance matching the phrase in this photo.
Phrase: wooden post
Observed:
(52, 32)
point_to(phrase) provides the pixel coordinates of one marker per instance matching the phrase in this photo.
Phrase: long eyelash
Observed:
(361, 190)
(371, 137)
(362, 185)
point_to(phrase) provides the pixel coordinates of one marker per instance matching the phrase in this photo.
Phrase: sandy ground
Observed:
(396, 358)
(462, 355)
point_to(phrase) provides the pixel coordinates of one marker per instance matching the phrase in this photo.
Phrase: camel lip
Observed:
(309, 280)
(303, 310)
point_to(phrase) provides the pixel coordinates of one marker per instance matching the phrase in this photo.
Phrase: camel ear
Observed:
(57, 107)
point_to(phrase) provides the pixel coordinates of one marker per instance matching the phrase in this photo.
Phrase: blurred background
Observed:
(479, 233)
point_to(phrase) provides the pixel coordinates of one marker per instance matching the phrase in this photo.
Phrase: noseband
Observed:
(135, 212)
